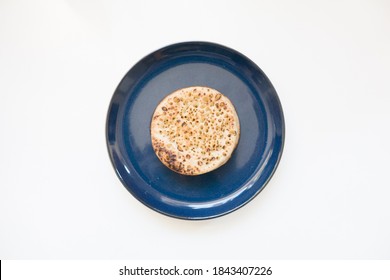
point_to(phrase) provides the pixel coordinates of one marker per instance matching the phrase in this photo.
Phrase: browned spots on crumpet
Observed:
(195, 130)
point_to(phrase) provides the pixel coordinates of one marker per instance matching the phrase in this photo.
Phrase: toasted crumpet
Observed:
(194, 130)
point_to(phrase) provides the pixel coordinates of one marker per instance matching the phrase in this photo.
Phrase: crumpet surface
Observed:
(194, 130)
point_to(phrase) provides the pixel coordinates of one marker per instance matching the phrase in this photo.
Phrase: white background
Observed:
(60, 62)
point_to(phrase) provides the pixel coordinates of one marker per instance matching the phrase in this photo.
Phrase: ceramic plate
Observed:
(224, 189)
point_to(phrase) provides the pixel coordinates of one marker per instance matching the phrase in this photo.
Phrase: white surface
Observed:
(60, 62)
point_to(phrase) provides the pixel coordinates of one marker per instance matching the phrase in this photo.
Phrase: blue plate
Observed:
(224, 189)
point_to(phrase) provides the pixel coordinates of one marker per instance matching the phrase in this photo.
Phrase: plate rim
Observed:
(275, 165)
